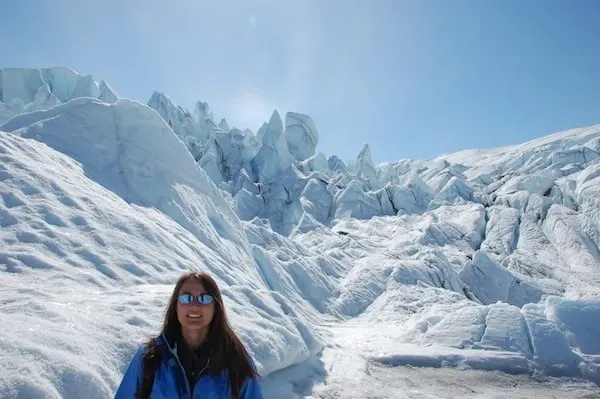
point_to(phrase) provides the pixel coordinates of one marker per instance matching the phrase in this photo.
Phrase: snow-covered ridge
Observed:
(484, 259)
(279, 175)
(101, 208)
(25, 90)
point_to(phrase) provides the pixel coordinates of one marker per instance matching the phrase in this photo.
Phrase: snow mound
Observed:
(98, 233)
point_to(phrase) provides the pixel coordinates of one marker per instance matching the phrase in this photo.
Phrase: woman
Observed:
(197, 354)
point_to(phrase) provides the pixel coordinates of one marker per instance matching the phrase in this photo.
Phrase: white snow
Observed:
(301, 135)
(274, 156)
(472, 275)
(26, 89)
(364, 166)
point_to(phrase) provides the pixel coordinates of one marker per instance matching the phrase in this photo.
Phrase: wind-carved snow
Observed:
(365, 168)
(95, 214)
(483, 259)
(507, 241)
(301, 135)
(206, 140)
(336, 164)
(274, 156)
(25, 90)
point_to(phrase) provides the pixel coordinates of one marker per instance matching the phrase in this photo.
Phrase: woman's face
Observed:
(194, 316)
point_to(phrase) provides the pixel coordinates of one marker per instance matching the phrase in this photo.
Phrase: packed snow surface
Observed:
(475, 274)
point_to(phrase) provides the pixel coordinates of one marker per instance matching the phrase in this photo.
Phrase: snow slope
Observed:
(339, 278)
(87, 265)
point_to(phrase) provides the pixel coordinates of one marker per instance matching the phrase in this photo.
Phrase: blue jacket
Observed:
(170, 380)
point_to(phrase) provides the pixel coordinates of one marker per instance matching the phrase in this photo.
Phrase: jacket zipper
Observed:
(199, 376)
(187, 383)
(182, 369)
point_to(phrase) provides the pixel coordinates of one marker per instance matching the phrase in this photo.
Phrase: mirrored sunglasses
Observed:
(202, 299)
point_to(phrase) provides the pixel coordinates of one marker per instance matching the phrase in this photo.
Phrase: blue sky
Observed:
(411, 78)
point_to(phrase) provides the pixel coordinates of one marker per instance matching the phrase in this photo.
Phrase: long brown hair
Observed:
(226, 350)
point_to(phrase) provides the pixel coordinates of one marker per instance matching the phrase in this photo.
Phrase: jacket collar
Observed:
(167, 344)
(168, 341)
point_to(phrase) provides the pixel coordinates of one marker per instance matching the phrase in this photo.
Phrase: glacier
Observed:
(26, 89)
(337, 275)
